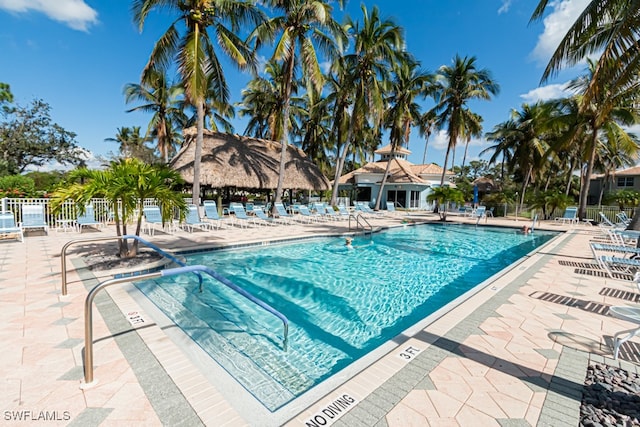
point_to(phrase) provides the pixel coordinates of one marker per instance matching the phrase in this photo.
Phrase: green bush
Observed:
(17, 186)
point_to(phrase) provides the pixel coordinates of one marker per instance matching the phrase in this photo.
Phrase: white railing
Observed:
(67, 212)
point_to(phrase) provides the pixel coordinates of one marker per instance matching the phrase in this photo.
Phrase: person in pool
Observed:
(526, 229)
(347, 242)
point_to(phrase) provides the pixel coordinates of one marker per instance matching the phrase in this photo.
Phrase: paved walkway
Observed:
(513, 354)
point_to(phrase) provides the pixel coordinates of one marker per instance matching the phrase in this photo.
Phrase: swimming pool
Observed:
(341, 303)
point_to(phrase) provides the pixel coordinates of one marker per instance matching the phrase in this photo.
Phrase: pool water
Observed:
(341, 302)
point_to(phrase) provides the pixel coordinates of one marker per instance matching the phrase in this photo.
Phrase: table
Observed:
(65, 225)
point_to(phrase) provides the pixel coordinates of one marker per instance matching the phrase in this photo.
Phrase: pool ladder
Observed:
(197, 269)
(357, 219)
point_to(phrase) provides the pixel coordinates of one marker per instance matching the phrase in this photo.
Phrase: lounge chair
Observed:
(343, 211)
(630, 314)
(623, 219)
(570, 215)
(282, 213)
(479, 213)
(391, 208)
(152, 218)
(8, 226)
(332, 214)
(321, 210)
(264, 219)
(366, 210)
(211, 213)
(242, 219)
(620, 265)
(33, 218)
(87, 219)
(306, 215)
(193, 220)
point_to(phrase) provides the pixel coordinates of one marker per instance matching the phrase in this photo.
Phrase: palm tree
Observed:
(445, 194)
(195, 52)
(425, 127)
(133, 145)
(455, 86)
(377, 44)
(125, 184)
(608, 28)
(304, 26)
(409, 82)
(160, 97)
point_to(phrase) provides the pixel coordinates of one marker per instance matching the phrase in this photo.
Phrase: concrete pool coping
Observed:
(384, 398)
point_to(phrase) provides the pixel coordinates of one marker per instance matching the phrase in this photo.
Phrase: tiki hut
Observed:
(244, 162)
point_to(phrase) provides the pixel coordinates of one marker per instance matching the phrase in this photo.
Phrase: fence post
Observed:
(4, 204)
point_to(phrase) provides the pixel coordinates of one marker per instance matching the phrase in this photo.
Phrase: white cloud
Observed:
(545, 93)
(74, 13)
(506, 4)
(556, 25)
(439, 140)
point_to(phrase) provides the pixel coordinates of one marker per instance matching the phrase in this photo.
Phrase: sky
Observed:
(77, 55)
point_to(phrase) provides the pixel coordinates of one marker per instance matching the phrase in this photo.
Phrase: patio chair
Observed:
(332, 214)
(343, 212)
(570, 215)
(321, 210)
(264, 219)
(306, 215)
(193, 220)
(480, 212)
(33, 218)
(242, 219)
(630, 314)
(282, 213)
(391, 208)
(623, 219)
(87, 219)
(211, 213)
(619, 265)
(366, 210)
(8, 226)
(152, 218)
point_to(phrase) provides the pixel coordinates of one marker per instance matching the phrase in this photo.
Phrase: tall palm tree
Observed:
(377, 44)
(455, 86)
(608, 28)
(132, 144)
(195, 53)
(409, 82)
(160, 97)
(425, 127)
(303, 26)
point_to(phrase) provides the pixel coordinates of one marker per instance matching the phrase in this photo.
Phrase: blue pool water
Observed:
(341, 303)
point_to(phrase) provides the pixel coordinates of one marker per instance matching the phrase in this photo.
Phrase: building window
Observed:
(625, 181)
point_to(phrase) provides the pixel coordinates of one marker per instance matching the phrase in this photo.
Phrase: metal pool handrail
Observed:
(357, 218)
(88, 307)
(63, 254)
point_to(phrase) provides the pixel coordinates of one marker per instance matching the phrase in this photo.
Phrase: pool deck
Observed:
(515, 353)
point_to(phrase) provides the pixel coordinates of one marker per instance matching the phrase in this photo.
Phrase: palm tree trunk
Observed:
(464, 157)
(384, 180)
(340, 165)
(197, 157)
(285, 126)
(524, 186)
(584, 191)
(569, 176)
(426, 144)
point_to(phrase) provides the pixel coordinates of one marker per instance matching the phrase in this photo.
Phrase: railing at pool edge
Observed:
(63, 255)
(358, 225)
(88, 308)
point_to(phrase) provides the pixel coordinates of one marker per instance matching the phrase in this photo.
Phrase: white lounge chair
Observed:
(152, 218)
(87, 219)
(630, 314)
(193, 220)
(8, 226)
(33, 218)
(570, 215)
(282, 213)
(211, 214)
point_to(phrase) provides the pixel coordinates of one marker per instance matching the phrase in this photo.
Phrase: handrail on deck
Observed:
(88, 307)
(63, 254)
(358, 225)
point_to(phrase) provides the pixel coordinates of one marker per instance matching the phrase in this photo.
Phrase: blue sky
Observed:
(77, 55)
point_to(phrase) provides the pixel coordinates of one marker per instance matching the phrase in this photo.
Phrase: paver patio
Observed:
(515, 353)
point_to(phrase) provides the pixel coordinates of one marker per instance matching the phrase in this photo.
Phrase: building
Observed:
(407, 184)
(626, 179)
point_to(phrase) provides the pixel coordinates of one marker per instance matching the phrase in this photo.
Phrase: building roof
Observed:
(401, 171)
(387, 150)
(244, 162)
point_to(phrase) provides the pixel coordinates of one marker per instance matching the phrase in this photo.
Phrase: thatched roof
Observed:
(243, 162)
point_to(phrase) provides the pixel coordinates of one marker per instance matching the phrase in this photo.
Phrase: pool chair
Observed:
(152, 219)
(343, 212)
(193, 221)
(480, 212)
(282, 213)
(618, 265)
(242, 219)
(263, 219)
(391, 209)
(332, 214)
(623, 219)
(570, 215)
(630, 314)
(366, 210)
(87, 219)
(621, 250)
(321, 210)
(33, 218)
(211, 214)
(304, 214)
(8, 226)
